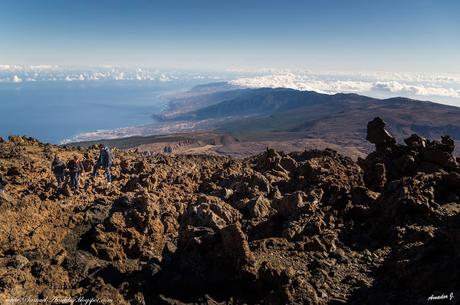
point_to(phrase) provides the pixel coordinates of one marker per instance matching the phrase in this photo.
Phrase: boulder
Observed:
(210, 211)
(132, 229)
(328, 168)
(235, 245)
(16, 139)
(19, 261)
(259, 207)
(288, 163)
(415, 141)
(378, 135)
(448, 143)
(363, 196)
(376, 178)
(437, 156)
(298, 202)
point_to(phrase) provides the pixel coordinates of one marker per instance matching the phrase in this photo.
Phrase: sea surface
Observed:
(57, 110)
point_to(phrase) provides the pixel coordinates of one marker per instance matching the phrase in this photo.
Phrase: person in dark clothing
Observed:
(168, 149)
(58, 168)
(3, 183)
(75, 168)
(105, 161)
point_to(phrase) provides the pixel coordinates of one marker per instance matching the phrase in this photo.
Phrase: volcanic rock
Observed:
(311, 227)
(378, 135)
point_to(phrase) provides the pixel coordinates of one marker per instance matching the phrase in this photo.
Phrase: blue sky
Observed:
(338, 35)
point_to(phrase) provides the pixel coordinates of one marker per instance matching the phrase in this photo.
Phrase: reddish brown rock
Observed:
(311, 227)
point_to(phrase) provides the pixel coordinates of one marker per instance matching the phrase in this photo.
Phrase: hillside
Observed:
(289, 120)
(336, 119)
(198, 97)
(308, 227)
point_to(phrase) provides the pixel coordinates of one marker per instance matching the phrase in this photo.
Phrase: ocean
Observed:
(57, 110)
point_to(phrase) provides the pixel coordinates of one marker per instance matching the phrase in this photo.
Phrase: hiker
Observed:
(75, 168)
(167, 149)
(105, 160)
(3, 183)
(58, 168)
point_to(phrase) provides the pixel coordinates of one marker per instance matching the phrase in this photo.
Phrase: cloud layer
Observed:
(446, 87)
(17, 74)
(437, 87)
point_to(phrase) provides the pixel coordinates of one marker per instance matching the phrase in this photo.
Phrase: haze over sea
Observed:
(58, 110)
(72, 67)
(55, 104)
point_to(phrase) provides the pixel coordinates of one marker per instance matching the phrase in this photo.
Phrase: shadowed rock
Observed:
(311, 227)
(378, 135)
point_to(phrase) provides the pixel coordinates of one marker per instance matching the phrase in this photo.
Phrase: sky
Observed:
(327, 35)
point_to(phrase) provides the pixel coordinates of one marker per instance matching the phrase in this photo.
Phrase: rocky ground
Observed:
(311, 227)
(247, 148)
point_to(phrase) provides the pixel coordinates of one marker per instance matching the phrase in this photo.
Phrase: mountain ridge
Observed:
(297, 118)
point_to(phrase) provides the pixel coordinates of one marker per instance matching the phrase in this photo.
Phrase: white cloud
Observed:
(439, 87)
(17, 79)
(417, 90)
(44, 67)
(302, 82)
(386, 84)
(56, 73)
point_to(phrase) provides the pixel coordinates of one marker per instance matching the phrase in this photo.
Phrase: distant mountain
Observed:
(268, 112)
(267, 101)
(289, 120)
(183, 103)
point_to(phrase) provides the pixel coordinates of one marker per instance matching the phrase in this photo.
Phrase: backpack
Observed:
(74, 166)
(58, 166)
(107, 156)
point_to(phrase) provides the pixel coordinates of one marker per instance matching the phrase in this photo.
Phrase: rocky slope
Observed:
(310, 227)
